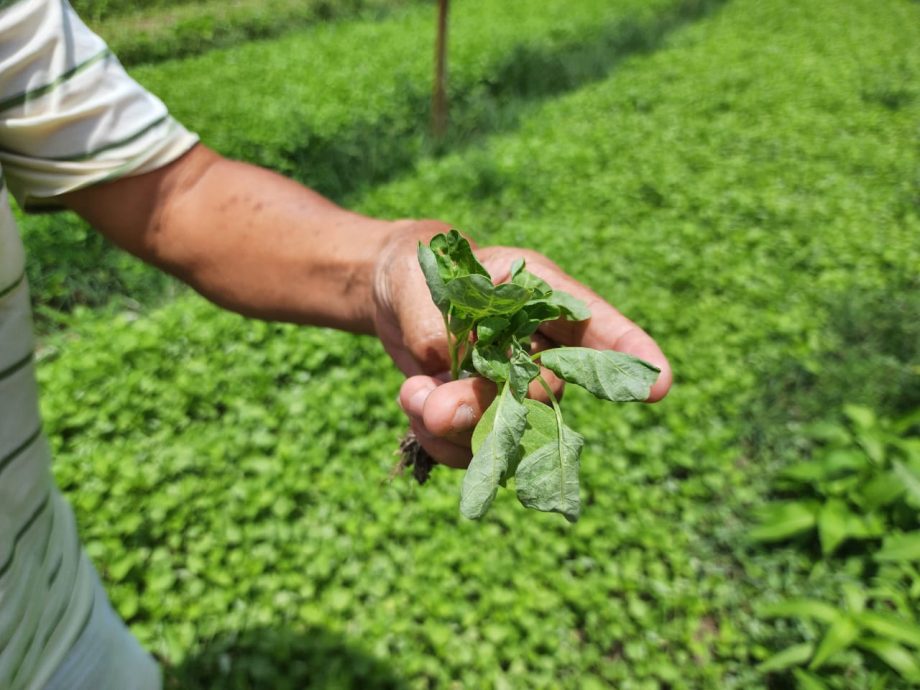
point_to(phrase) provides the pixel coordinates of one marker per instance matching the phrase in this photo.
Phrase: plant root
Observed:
(413, 455)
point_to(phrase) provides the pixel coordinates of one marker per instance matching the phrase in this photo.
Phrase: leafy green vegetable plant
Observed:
(859, 493)
(489, 331)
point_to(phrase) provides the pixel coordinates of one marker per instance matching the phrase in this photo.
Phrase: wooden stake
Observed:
(439, 97)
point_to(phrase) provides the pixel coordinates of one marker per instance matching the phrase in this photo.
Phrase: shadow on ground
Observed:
(276, 659)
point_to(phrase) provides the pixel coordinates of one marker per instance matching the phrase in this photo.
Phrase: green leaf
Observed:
(516, 267)
(491, 361)
(525, 322)
(911, 482)
(540, 428)
(476, 295)
(436, 285)
(808, 609)
(571, 307)
(900, 547)
(881, 491)
(523, 370)
(833, 521)
(893, 654)
(538, 287)
(490, 462)
(784, 519)
(459, 323)
(839, 636)
(795, 655)
(891, 627)
(491, 328)
(808, 681)
(455, 256)
(827, 466)
(547, 478)
(607, 374)
(861, 417)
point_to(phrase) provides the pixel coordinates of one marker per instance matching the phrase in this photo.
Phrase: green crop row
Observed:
(153, 34)
(103, 9)
(315, 106)
(744, 187)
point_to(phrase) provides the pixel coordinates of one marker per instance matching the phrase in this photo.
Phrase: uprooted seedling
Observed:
(489, 331)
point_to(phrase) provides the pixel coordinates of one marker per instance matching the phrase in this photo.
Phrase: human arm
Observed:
(262, 245)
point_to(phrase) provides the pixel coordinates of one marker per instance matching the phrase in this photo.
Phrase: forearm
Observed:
(248, 239)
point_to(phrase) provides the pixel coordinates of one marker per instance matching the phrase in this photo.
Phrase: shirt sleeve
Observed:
(70, 116)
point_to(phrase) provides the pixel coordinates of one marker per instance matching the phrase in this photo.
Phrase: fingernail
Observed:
(463, 418)
(417, 401)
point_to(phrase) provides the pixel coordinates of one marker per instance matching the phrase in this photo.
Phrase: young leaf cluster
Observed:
(489, 332)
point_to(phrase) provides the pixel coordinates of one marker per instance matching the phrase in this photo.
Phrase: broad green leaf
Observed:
(911, 481)
(436, 285)
(861, 417)
(490, 463)
(833, 521)
(460, 323)
(795, 655)
(491, 328)
(607, 374)
(809, 609)
(547, 478)
(880, 491)
(516, 267)
(525, 322)
(854, 597)
(783, 519)
(491, 361)
(538, 287)
(893, 654)
(523, 370)
(477, 295)
(807, 681)
(455, 256)
(900, 547)
(827, 466)
(839, 636)
(891, 627)
(540, 428)
(571, 307)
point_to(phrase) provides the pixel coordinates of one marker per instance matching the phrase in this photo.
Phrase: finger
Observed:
(451, 411)
(442, 450)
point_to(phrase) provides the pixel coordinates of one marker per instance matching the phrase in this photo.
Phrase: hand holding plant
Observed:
(495, 331)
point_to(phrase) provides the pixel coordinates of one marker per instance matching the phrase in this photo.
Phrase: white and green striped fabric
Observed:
(69, 117)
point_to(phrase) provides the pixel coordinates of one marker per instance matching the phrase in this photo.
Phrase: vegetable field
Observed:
(742, 178)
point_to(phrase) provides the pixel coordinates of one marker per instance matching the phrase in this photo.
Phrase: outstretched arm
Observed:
(262, 245)
(246, 238)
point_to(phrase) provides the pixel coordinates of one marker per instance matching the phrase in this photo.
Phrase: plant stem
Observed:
(552, 397)
(452, 348)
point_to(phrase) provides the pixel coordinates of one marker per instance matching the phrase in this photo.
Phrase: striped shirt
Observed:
(69, 117)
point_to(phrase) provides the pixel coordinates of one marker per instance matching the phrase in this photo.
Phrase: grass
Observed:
(155, 33)
(745, 186)
(344, 123)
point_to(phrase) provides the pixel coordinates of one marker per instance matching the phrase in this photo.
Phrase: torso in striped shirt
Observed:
(45, 583)
(69, 117)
